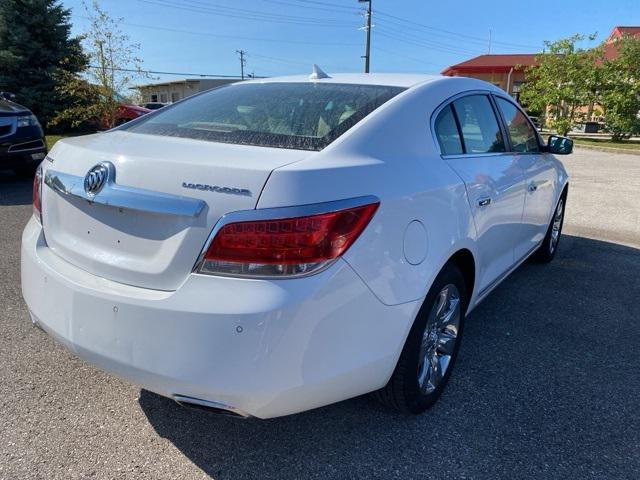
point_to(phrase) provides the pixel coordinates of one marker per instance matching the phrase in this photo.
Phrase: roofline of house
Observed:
(180, 82)
(483, 68)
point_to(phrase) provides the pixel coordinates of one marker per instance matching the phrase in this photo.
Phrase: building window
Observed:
(175, 96)
(163, 97)
(154, 97)
(515, 90)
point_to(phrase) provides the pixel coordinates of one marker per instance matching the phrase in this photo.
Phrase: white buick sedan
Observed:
(273, 246)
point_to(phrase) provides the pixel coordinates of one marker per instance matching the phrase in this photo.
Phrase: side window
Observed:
(522, 135)
(447, 132)
(480, 129)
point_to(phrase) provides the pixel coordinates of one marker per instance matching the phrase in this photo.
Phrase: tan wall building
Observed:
(169, 92)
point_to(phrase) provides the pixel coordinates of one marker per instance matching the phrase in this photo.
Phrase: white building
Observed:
(169, 92)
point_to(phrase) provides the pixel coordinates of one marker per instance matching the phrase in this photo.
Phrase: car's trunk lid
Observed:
(138, 240)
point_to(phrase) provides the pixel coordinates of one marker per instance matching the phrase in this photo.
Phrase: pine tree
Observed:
(36, 50)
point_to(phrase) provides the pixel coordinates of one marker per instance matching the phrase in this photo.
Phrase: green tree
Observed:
(113, 64)
(620, 94)
(566, 80)
(35, 50)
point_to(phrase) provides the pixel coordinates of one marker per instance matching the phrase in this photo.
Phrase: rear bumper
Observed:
(264, 348)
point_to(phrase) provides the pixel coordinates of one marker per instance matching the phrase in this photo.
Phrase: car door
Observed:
(472, 143)
(539, 174)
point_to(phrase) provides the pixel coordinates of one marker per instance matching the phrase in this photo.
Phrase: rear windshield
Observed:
(305, 116)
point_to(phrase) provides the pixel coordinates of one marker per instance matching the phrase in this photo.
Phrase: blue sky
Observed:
(287, 36)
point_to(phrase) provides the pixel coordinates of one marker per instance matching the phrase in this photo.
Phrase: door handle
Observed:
(532, 187)
(483, 202)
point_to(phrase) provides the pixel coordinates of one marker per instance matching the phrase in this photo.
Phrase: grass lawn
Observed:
(607, 143)
(51, 139)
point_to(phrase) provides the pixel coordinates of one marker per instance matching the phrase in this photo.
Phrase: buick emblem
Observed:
(96, 178)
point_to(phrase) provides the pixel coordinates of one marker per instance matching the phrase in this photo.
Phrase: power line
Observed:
(449, 32)
(427, 42)
(306, 7)
(295, 62)
(396, 54)
(242, 14)
(156, 72)
(423, 44)
(233, 37)
(335, 5)
(209, 5)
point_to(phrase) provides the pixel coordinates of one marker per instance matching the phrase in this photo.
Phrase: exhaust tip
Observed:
(209, 406)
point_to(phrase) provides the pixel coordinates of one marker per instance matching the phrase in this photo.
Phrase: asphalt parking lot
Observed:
(547, 384)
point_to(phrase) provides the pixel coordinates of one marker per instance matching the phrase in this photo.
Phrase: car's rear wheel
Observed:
(549, 246)
(431, 348)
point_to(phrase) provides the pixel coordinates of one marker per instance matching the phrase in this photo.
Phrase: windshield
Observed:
(286, 115)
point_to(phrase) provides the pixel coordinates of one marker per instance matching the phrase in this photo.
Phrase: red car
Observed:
(129, 112)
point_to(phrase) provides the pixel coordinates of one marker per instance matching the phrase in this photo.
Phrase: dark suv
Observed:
(22, 145)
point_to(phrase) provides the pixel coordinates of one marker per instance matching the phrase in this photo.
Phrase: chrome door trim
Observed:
(121, 196)
(486, 290)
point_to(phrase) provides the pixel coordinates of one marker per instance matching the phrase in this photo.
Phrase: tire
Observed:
(547, 250)
(415, 384)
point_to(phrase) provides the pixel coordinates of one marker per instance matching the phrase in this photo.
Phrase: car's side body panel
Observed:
(541, 179)
(391, 153)
(495, 186)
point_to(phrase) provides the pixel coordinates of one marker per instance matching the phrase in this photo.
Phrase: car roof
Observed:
(388, 79)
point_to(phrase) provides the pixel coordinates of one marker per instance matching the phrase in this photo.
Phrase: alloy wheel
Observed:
(556, 226)
(439, 339)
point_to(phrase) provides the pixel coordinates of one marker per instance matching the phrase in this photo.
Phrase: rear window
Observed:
(305, 116)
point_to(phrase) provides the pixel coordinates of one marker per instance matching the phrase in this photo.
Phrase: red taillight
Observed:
(285, 246)
(36, 194)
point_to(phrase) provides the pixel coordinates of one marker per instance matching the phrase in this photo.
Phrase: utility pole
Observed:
(489, 49)
(243, 62)
(367, 27)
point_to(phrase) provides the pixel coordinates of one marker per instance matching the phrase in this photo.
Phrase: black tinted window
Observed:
(480, 129)
(522, 135)
(447, 132)
(287, 115)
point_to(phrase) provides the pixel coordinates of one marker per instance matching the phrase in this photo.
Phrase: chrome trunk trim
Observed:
(120, 196)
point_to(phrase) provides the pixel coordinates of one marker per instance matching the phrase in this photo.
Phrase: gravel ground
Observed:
(546, 385)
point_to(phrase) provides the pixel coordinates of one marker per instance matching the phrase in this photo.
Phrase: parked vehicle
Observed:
(22, 143)
(273, 246)
(154, 105)
(128, 112)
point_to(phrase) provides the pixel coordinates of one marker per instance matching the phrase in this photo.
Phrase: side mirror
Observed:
(8, 95)
(559, 145)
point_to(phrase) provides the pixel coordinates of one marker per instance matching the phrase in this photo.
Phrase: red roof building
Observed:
(507, 71)
(610, 48)
(504, 71)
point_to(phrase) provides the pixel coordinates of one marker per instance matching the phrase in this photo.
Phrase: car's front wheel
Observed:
(549, 246)
(431, 348)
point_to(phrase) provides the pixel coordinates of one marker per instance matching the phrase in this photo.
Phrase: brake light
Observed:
(37, 194)
(285, 246)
